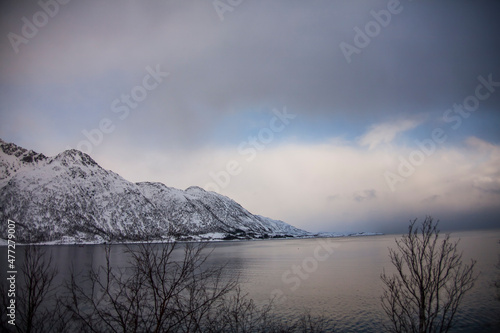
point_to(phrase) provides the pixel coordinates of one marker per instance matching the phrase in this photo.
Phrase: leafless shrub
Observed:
(240, 314)
(430, 281)
(156, 293)
(161, 291)
(37, 308)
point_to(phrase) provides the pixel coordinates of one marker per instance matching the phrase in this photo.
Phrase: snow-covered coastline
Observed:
(217, 237)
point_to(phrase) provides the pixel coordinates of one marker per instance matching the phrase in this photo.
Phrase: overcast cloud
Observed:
(373, 139)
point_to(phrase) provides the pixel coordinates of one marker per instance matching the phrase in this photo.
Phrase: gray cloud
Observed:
(264, 55)
(431, 199)
(364, 195)
(279, 53)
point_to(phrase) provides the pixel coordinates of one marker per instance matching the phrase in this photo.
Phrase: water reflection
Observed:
(343, 286)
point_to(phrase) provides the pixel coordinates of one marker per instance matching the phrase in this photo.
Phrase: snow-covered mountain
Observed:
(69, 197)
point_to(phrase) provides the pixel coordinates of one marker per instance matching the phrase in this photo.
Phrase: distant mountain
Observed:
(70, 198)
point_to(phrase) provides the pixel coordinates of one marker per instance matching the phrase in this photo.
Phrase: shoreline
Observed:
(3, 242)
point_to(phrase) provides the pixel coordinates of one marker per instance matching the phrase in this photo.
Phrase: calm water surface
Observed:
(340, 281)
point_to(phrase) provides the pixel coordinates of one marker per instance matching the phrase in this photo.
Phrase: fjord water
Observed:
(338, 278)
(346, 287)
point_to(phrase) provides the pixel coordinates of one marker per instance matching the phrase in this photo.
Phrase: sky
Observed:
(329, 115)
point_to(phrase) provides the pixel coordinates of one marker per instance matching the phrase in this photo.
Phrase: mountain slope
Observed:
(70, 196)
(206, 212)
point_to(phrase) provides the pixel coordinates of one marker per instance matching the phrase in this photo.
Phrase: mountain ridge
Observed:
(70, 197)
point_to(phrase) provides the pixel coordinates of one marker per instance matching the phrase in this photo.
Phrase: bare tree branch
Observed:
(430, 281)
(37, 306)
